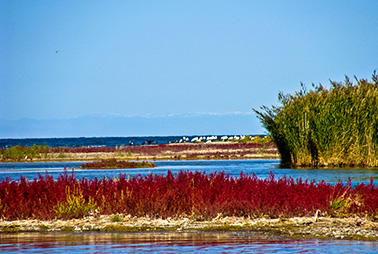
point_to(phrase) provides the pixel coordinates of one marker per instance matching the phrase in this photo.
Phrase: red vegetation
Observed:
(191, 150)
(113, 163)
(185, 193)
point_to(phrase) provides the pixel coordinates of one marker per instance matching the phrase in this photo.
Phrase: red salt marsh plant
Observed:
(196, 194)
(113, 164)
(153, 150)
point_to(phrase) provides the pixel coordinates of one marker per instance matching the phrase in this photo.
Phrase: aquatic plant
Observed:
(195, 194)
(321, 127)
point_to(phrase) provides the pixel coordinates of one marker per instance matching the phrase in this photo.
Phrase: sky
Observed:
(167, 60)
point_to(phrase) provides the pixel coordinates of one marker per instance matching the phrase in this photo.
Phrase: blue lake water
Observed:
(199, 242)
(166, 242)
(261, 168)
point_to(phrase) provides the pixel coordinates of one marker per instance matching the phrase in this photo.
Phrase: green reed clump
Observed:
(326, 127)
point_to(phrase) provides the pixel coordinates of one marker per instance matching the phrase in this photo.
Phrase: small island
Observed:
(114, 164)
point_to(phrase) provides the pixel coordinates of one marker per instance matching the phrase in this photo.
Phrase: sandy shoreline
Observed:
(304, 227)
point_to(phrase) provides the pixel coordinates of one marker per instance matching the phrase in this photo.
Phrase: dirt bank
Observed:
(309, 227)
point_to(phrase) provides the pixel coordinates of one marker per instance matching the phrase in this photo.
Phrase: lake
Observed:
(261, 168)
(168, 242)
(198, 242)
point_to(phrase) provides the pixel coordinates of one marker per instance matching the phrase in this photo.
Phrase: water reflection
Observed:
(214, 242)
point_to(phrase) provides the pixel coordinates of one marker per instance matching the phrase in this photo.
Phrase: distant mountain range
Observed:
(110, 125)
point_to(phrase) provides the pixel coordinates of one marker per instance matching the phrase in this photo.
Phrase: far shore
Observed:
(188, 151)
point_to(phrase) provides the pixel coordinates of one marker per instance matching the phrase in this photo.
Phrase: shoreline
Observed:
(324, 227)
(353, 228)
(189, 151)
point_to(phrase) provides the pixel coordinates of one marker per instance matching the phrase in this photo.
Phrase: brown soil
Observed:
(308, 227)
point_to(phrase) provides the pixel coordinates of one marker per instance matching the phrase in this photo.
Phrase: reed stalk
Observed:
(326, 127)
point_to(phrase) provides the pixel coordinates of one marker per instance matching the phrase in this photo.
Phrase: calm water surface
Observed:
(261, 168)
(199, 242)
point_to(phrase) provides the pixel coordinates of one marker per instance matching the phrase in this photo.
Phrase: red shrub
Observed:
(186, 193)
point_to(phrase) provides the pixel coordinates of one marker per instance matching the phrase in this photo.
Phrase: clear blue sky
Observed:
(68, 59)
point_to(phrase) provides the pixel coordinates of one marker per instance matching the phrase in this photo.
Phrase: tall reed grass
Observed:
(326, 127)
(195, 194)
